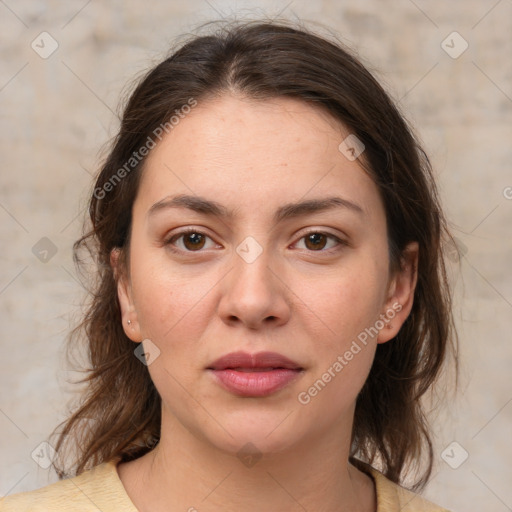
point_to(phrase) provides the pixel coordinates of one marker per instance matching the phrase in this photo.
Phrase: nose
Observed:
(253, 295)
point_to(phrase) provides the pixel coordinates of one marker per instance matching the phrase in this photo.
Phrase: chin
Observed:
(258, 432)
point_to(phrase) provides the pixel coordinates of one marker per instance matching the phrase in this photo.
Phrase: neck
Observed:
(187, 473)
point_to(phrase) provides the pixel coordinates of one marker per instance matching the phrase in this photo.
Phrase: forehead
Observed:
(255, 153)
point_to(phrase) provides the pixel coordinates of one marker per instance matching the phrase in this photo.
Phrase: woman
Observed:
(272, 301)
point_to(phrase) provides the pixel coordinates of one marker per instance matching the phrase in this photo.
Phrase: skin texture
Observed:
(306, 302)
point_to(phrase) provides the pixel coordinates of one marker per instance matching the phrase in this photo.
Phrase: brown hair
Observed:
(119, 414)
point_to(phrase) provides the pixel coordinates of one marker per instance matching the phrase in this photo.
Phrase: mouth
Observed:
(256, 375)
(251, 370)
(261, 361)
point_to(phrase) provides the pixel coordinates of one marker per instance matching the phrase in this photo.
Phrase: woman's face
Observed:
(253, 232)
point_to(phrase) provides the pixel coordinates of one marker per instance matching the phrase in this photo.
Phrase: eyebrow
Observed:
(287, 211)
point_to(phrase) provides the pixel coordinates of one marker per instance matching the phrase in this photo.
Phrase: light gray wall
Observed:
(56, 112)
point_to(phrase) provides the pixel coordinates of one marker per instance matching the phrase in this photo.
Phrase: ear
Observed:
(129, 318)
(400, 296)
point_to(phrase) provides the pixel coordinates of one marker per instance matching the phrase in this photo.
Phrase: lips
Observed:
(242, 361)
(255, 375)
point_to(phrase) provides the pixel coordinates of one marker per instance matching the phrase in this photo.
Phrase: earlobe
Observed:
(400, 294)
(129, 318)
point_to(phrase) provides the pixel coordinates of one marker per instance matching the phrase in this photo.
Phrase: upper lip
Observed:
(240, 359)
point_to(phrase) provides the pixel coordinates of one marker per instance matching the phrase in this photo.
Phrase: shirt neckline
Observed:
(383, 491)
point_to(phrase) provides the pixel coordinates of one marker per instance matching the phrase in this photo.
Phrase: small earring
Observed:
(129, 322)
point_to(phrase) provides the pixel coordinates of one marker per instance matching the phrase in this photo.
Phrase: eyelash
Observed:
(169, 242)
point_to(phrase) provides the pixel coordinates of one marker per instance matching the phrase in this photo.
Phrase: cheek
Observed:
(173, 310)
(352, 298)
(344, 353)
(171, 304)
(346, 311)
(331, 395)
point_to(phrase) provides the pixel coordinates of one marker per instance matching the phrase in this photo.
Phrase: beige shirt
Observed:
(101, 490)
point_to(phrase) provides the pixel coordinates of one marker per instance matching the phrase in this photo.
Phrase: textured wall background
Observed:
(57, 109)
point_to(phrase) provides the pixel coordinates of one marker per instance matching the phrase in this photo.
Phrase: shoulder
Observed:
(96, 489)
(393, 498)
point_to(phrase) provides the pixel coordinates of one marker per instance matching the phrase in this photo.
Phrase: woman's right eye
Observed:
(190, 241)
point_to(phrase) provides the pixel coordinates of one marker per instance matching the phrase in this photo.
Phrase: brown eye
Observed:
(190, 241)
(318, 241)
(194, 241)
(315, 241)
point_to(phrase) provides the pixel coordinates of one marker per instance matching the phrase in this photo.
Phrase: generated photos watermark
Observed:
(304, 397)
(137, 156)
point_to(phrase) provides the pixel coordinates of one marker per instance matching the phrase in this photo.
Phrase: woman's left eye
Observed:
(318, 241)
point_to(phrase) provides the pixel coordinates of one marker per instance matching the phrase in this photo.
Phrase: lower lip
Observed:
(255, 384)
